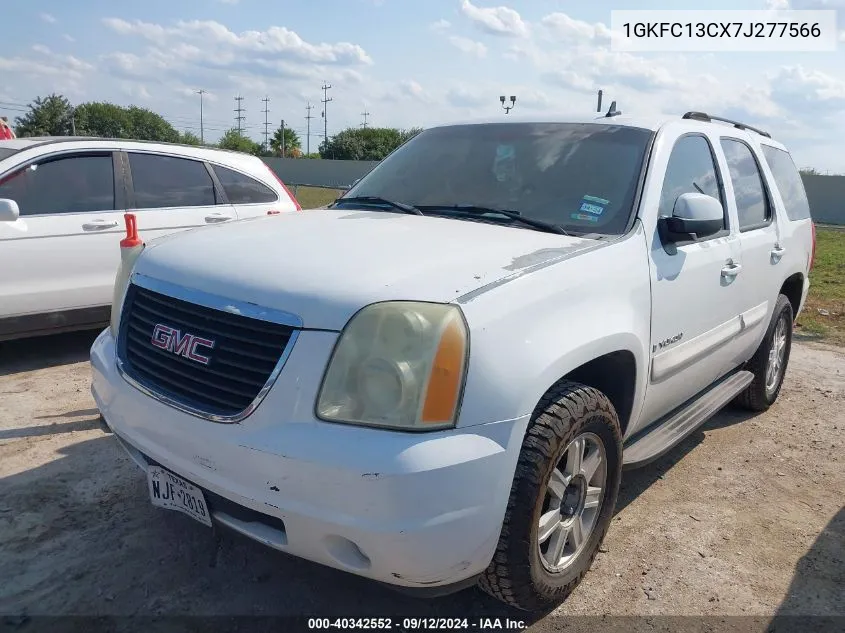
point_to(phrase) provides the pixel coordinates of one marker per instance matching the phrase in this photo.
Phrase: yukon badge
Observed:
(181, 344)
(667, 342)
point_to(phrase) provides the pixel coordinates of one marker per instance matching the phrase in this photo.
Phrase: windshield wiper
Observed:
(548, 227)
(405, 208)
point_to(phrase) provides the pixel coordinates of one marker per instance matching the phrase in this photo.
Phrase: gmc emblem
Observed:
(181, 344)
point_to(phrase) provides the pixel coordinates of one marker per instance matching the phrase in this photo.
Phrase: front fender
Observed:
(527, 334)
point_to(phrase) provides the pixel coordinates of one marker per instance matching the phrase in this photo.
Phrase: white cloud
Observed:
(48, 18)
(440, 26)
(468, 46)
(69, 38)
(495, 20)
(798, 89)
(276, 41)
(565, 28)
(464, 97)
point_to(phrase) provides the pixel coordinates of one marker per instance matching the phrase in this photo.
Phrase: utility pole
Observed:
(283, 138)
(308, 118)
(365, 114)
(201, 92)
(266, 111)
(238, 116)
(326, 99)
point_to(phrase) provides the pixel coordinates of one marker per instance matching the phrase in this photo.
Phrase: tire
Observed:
(762, 393)
(520, 573)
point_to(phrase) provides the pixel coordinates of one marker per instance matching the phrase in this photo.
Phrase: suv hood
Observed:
(324, 265)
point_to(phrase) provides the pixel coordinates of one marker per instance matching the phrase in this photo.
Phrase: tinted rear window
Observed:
(580, 176)
(788, 182)
(5, 153)
(241, 189)
(166, 181)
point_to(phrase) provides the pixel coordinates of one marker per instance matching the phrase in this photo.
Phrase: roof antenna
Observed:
(598, 108)
(613, 111)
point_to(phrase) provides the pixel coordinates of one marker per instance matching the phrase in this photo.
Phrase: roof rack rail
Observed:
(703, 116)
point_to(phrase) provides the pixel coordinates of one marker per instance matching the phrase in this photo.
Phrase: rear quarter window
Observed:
(241, 189)
(788, 182)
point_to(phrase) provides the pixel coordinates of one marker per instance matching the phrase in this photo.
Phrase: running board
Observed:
(662, 437)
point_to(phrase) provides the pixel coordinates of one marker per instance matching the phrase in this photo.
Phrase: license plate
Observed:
(174, 493)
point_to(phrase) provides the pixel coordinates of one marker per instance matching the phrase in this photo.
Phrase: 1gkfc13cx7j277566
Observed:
(437, 380)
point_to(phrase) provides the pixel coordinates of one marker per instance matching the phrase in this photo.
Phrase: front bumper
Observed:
(409, 509)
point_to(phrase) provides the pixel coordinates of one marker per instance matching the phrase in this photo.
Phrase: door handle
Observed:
(778, 251)
(731, 270)
(217, 217)
(99, 225)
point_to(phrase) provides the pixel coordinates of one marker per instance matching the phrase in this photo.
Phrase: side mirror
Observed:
(695, 215)
(9, 211)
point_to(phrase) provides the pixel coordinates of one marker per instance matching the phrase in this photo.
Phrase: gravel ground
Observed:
(746, 517)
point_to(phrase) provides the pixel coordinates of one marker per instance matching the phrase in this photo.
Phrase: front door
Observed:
(62, 253)
(695, 311)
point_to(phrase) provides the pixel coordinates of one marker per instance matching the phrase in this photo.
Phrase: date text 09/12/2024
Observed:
(480, 624)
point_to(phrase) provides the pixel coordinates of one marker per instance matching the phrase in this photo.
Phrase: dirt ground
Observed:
(746, 517)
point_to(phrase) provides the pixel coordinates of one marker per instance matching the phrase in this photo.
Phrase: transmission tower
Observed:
(238, 110)
(365, 114)
(266, 112)
(308, 118)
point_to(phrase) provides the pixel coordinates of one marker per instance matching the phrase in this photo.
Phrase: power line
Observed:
(238, 116)
(308, 118)
(365, 114)
(325, 100)
(266, 111)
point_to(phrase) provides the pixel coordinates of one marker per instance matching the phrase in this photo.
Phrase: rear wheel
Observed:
(770, 360)
(562, 499)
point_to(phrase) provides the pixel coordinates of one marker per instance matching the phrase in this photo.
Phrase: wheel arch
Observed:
(793, 289)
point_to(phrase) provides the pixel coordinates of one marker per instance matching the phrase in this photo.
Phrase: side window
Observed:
(788, 182)
(752, 203)
(166, 181)
(74, 184)
(691, 169)
(241, 189)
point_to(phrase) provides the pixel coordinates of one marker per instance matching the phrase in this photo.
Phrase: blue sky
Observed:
(407, 63)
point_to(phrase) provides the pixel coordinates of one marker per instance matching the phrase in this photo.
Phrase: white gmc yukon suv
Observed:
(438, 380)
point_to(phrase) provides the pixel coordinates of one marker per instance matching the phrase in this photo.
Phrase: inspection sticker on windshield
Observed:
(584, 217)
(591, 204)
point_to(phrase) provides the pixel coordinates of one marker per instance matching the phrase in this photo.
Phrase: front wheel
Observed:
(770, 360)
(561, 501)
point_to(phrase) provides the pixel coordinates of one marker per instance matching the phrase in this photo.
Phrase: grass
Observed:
(823, 316)
(313, 197)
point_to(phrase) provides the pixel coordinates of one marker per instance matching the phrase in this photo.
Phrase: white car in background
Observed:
(62, 201)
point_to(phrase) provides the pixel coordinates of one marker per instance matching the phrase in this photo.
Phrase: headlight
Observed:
(398, 364)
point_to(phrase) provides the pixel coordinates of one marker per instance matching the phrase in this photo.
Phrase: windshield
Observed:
(582, 177)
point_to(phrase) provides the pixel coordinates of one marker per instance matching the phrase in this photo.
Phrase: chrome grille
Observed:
(245, 354)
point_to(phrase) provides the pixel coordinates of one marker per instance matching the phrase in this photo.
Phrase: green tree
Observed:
(189, 138)
(149, 126)
(47, 116)
(293, 145)
(236, 141)
(108, 120)
(105, 120)
(365, 143)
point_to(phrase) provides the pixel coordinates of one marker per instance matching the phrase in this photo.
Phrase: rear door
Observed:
(760, 279)
(173, 193)
(61, 254)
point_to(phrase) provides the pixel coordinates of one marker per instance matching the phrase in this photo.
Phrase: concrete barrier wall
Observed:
(826, 193)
